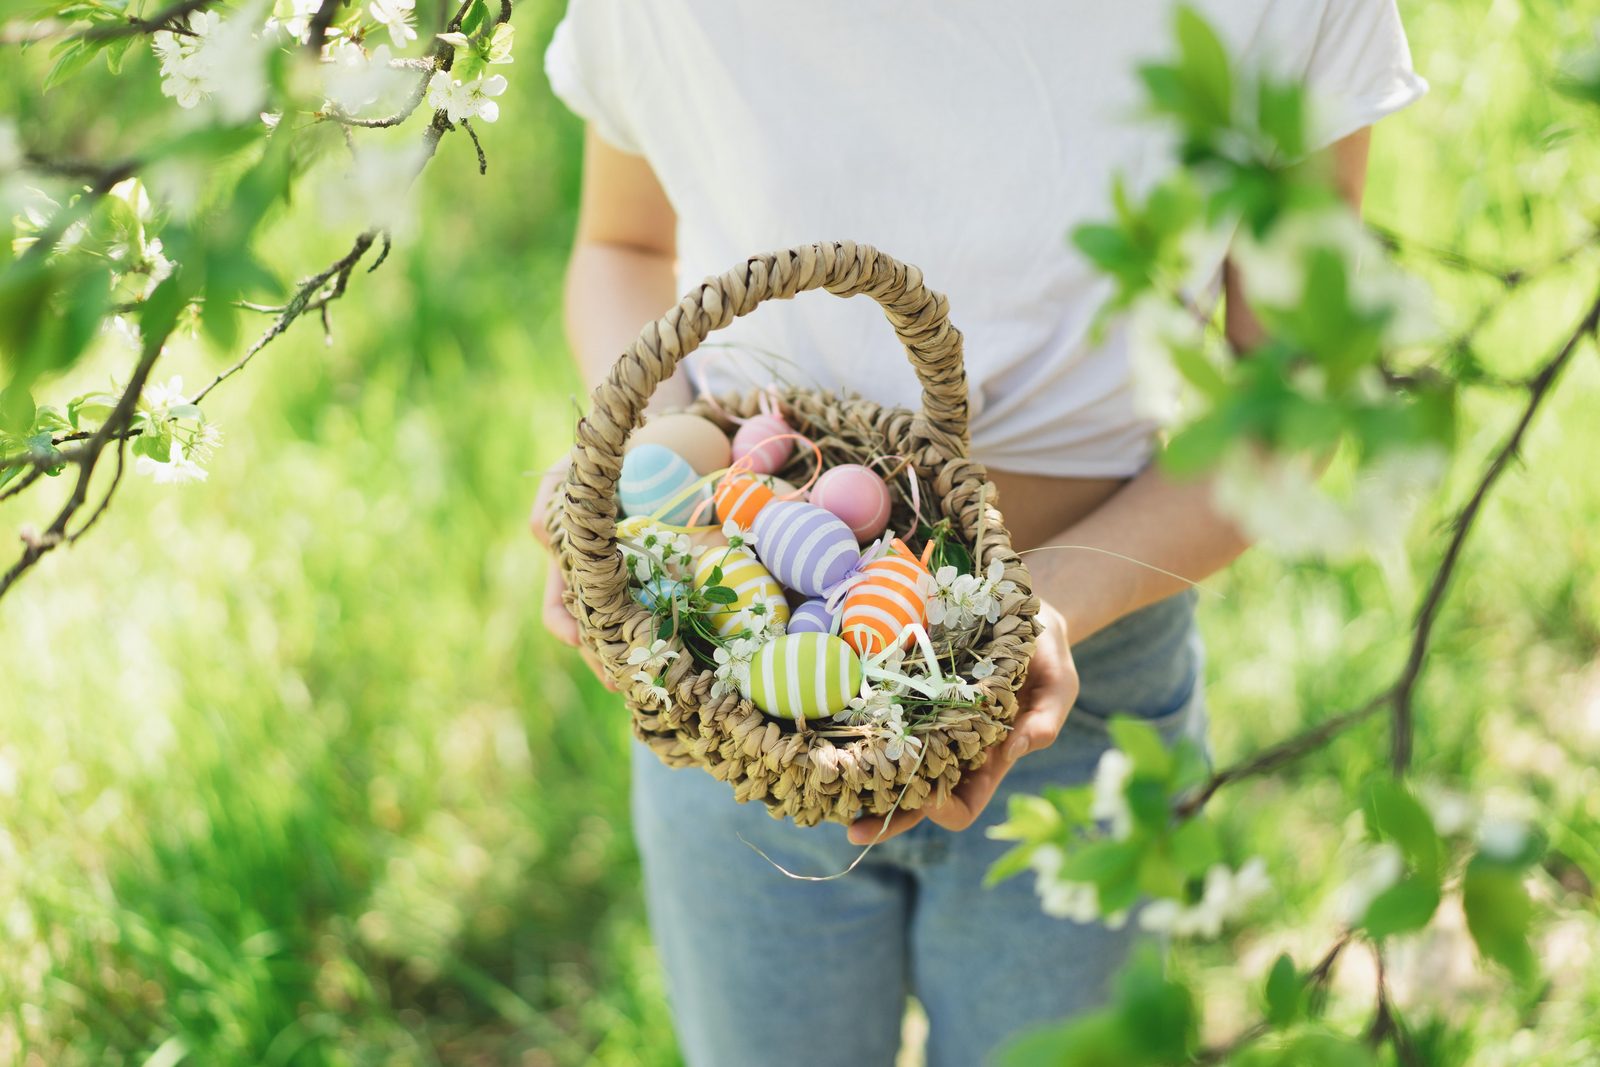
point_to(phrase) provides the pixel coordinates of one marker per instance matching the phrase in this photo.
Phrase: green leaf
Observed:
(477, 14)
(1028, 818)
(1499, 913)
(1280, 112)
(1108, 864)
(1013, 863)
(1394, 814)
(16, 409)
(1156, 1011)
(1142, 743)
(500, 44)
(1403, 907)
(1194, 846)
(1205, 66)
(1283, 992)
(73, 57)
(664, 628)
(719, 594)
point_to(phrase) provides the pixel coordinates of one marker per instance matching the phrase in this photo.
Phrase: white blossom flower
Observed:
(1501, 838)
(737, 536)
(732, 674)
(982, 669)
(897, 736)
(1225, 897)
(1110, 792)
(177, 470)
(1078, 901)
(1277, 500)
(653, 657)
(298, 23)
(223, 60)
(354, 80)
(652, 688)
(1156, 325)
(1377, 870)
(1452, 812)
(160, 398)
(206, 442)
(466, 100)
(871, 707)
(373, 183)
(396, 16)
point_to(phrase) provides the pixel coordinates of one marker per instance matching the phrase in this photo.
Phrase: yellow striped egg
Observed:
(893, 596)
(750, 582)
(804, 676)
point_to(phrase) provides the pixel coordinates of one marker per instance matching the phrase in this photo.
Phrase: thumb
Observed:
(1037, 726)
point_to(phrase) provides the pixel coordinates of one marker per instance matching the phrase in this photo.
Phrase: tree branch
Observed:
(307, 297)
(1427, 613)
(1399, 697)
(161, 20)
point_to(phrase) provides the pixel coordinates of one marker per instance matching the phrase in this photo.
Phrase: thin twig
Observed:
(1427, 613)
(1316, 981)
(161, 20)
(305, 298)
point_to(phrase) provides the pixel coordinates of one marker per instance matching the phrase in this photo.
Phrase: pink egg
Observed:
(857, 495)
(752, 443)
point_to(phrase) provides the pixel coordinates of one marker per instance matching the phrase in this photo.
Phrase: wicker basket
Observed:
(792, 768)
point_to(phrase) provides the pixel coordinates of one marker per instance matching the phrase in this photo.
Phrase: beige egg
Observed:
(695, 439)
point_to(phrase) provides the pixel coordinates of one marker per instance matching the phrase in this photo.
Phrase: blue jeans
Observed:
(765, 970)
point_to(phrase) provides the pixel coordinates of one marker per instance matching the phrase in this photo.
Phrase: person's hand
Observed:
(557, 619)
(1043, 702)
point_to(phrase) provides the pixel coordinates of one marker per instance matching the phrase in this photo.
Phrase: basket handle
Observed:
(919, 315)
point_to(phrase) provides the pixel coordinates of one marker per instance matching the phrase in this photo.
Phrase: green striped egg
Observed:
(748, 579)
(804, 676)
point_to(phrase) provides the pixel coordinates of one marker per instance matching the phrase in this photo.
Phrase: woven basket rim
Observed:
(727, 735)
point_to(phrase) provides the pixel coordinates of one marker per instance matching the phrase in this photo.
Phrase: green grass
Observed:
(289, 774)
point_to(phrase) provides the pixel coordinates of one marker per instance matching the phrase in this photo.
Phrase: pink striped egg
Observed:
(752, 444)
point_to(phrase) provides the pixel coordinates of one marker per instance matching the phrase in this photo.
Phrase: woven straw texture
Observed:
(795, 770)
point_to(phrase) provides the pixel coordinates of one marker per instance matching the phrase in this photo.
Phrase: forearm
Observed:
(612, 291)
(1168, 524)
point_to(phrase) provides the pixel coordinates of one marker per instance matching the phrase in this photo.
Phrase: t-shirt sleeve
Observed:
(1359, 69)
(583, 65)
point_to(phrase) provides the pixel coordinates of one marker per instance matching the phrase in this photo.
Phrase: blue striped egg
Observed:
(804, 676)
(812, 617)
(806, 548)
(658, 593)
(652, 477)
(750, 582)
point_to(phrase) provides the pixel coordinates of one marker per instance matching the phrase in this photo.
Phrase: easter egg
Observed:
(741, 499)
(699, 441)
(653, 476)
(804, 547)
(781, 489)
(658, 593)
(811, 617)
(857, 495)
(754, 448)
(804, 676)
(750, 582)
(893, 596)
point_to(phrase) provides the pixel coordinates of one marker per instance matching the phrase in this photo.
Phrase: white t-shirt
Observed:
(967, 137)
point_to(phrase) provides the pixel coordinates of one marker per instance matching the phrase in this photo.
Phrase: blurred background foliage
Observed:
(289, 774)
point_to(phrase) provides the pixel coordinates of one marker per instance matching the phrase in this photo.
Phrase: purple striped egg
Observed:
(803, 546)
(812, 617)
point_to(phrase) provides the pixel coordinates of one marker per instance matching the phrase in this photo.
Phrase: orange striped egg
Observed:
(893, 596)
(741, 499)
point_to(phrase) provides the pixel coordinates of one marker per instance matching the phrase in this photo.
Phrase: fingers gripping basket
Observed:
(792, 768)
